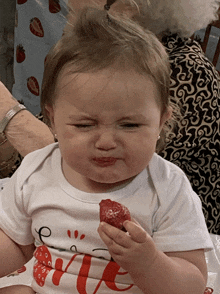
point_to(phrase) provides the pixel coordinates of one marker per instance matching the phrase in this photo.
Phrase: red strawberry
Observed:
(43, 265)
(54, 6)
(36, 27)
(20, 54)
(33, 86)
(113, 213)
(21, 1)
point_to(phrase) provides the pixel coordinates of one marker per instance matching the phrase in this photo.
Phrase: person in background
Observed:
(194, 144)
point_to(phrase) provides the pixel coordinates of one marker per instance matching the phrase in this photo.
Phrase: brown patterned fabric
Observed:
(195, 144)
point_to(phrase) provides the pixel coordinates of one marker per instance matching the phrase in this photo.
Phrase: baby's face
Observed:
(107, 124)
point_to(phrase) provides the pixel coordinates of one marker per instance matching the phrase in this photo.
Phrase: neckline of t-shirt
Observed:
(82, 196)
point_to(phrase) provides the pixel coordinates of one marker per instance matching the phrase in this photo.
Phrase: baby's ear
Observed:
(166, 116)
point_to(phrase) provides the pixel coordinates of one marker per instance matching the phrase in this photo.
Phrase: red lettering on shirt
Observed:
(44, 265)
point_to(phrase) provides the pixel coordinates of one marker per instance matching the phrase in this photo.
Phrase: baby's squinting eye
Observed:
(130, 125)
(83, 126)
(123, 126)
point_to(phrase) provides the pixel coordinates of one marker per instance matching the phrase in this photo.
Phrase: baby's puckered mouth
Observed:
(104, 161)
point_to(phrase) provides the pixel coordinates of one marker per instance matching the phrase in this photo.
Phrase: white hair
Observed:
(183, 17)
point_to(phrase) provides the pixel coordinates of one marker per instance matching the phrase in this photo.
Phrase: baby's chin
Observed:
(110, 185)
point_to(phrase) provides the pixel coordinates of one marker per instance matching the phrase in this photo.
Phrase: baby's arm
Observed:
(12, 255)
(17, 289)
(153, 271)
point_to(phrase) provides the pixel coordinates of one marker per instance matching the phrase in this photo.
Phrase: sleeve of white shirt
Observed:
(179, 223)
(14, 220)
(15, 197)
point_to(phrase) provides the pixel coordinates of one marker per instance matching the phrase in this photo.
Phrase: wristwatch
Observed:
(10, 114)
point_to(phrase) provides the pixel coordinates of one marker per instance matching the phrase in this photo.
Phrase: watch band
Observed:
(9, 115)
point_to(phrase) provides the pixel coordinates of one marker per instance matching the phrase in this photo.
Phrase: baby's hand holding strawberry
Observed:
(134, 251)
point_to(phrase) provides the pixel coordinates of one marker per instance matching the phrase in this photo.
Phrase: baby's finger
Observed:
(113, 247)
(105, 238)
(135, 221)
(137, 233)
(119, 237)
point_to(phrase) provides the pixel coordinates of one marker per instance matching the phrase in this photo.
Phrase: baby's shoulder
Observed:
(164, 169)
(168, 179)
(33, 160)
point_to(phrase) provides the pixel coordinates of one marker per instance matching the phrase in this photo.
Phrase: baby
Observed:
(105, 95)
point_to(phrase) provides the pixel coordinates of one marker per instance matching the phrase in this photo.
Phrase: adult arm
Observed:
(12, 255)
(24, 131)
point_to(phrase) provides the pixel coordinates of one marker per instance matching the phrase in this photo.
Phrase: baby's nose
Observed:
(106, 140)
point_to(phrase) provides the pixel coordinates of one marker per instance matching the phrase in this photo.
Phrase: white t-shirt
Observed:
(39, 205)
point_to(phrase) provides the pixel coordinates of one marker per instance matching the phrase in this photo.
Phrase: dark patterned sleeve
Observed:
(194, 145)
